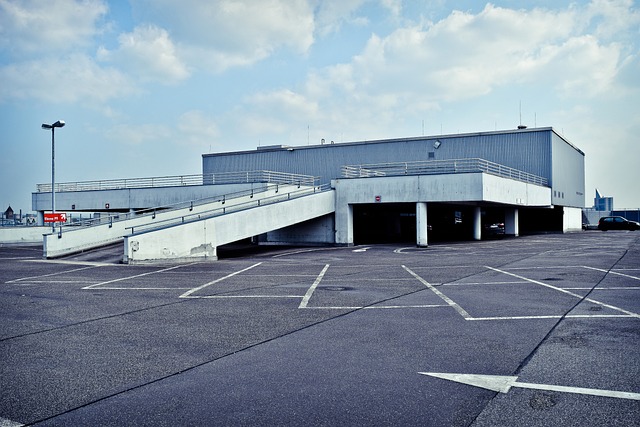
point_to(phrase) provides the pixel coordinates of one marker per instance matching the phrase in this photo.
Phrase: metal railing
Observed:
(260, 176)
(183, 219)
(435, 167)
(151, 212)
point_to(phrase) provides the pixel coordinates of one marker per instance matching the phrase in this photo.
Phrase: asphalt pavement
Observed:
(532, 331)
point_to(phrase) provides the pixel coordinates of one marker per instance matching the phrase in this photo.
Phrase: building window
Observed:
(432, 154)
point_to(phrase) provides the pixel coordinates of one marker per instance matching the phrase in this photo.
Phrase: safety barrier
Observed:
(435, 167)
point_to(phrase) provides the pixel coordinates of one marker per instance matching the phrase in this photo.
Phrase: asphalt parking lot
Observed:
(365, 335)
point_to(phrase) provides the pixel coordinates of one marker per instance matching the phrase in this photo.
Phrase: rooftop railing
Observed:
(436, 167)
(260, 176)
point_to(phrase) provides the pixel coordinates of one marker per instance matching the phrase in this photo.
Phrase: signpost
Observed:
(55, 217)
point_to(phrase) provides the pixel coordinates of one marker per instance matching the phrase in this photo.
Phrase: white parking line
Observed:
(307, 296)
(199, 288)
(612, 272)
(137, 275)
(565, 292)
(50, 274)
(445, 298)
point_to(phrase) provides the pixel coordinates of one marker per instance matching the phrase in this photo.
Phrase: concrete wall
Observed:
(318, 231)
(16, 235)
(199, 240)
(77, 239)
(571, 219)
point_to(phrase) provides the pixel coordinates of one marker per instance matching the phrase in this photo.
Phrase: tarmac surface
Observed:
(328, 336)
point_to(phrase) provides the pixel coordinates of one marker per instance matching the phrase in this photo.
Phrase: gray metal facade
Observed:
(539, 151)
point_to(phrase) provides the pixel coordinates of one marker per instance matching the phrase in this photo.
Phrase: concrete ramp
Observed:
(75, 239)
(199, 239)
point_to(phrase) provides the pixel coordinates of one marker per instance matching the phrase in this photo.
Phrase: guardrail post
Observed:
(60, 232)
(110, 221)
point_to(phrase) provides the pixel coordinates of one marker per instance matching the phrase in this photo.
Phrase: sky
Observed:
(148, 86)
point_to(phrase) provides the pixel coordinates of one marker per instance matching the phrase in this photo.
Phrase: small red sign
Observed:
(55, 217)
(378, 199)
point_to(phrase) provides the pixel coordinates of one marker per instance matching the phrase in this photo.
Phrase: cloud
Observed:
(149, 53)
(128, 134)
(218, 35)
(75, 78)
(32, 27)
(197, 129)
(462, 57)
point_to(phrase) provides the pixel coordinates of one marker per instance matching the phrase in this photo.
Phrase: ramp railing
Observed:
(259, 176)
(436, 167)
(303, 191)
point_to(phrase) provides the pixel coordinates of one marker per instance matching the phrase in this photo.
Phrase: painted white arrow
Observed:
(362, 249)
(502, 384)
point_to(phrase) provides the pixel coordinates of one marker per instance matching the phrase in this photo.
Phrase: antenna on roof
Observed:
(521, 126)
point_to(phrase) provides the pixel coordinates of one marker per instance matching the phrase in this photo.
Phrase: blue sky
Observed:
(148, 86)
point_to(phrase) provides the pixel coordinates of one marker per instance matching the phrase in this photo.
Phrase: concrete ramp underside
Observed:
(199, 240)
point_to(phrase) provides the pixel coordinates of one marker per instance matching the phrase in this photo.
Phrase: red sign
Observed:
(378, 199)
(55, 217)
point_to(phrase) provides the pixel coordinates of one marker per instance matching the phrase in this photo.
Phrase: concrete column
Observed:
(344, 225)
(511, 223)
(40, 219)
(477, 223)
(421, 224)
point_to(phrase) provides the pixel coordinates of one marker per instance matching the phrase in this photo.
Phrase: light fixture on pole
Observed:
(58, 124)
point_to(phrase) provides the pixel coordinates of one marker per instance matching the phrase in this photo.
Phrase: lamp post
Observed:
(58, 124)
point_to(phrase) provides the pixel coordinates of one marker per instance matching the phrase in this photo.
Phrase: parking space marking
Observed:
(445, 298)
(376, 307)
(307, 296)
(612, 272)
(22, 279)
(95, 285)
(199, 288)
(591, 300)
(554, 316)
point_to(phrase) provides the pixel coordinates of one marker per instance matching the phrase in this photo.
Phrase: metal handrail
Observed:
(224, 198)
(435, 167)
(259, 176)
(226, 210)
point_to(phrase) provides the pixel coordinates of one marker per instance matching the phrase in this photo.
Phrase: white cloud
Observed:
(225, 33)
(32, 26)
(68, 80)
(128, 134)
(197, 129)
(149, 53)
(465, 56)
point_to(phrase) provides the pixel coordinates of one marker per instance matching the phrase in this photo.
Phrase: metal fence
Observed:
(260, 176)
(436, 167)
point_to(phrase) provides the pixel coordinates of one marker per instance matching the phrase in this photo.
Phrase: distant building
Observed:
(8, 214)
(602, 203)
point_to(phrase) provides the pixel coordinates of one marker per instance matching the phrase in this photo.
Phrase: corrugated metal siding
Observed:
(529, 151)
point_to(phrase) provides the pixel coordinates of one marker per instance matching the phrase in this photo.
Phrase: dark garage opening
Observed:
(396, 223)
(384, 223)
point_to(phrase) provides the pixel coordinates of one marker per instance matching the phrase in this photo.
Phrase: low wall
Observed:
(17, 235)
(199, 240)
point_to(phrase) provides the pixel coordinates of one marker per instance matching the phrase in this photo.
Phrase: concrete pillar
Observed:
(477, 223)
(511, 224)
(421, 224)
(344, 225)
(40, 219)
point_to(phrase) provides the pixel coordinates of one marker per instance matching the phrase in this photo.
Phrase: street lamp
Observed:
(58, 124)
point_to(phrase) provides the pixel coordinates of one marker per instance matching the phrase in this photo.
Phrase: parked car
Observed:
(617, 223)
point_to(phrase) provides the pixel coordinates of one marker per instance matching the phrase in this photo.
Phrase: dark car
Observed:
(617, 223)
